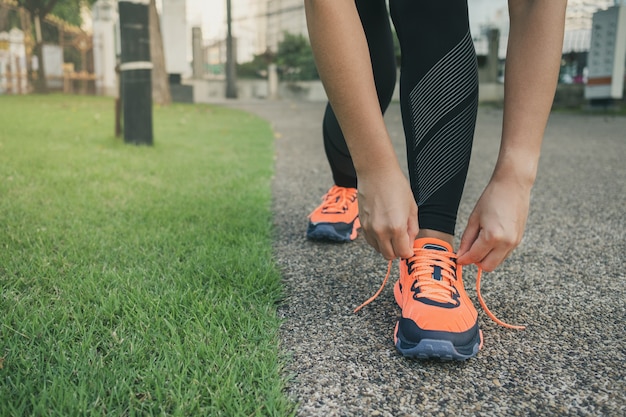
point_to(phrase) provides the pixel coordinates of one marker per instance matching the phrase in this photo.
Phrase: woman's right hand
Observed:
(388, 213)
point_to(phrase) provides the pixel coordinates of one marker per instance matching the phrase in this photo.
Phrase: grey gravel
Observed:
(565, 281)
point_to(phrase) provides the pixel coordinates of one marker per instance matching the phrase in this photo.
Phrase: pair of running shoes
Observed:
(438, 319)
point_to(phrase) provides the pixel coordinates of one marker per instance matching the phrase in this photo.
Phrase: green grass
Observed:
(136, 281)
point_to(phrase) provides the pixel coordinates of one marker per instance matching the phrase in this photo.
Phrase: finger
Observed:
(402, 246)
(371, 240)
(478, 250)
(470, 235)
(412, 226)
(492, 259)
(386, 249)
(381, 246)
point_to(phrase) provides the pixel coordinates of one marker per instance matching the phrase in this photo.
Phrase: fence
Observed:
(63, 44)
(13, 71)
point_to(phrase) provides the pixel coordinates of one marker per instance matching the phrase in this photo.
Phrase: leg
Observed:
(374, 18)
(439, 98)
(336, 219)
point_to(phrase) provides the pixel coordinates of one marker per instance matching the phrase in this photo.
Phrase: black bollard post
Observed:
(231, 58)
(136, 71)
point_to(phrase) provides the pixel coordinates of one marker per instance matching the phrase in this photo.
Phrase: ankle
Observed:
(437, 235)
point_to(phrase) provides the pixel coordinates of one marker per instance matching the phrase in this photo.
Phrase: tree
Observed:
(69, 10)
(39, 9)
(160, 84)
(257, 68)
(295, 58)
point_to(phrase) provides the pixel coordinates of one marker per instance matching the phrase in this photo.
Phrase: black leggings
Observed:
(438, 99)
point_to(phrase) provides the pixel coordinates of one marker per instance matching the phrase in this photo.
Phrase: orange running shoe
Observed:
(438, 318)
(337, 218)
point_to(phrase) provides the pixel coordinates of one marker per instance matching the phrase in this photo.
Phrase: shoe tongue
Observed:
(438, 247)
(433, 244)
(434, 247)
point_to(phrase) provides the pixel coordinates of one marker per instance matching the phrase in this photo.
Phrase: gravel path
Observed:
(566, 281)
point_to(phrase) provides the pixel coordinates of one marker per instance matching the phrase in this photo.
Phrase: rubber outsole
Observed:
(435, 349)
(326, 231)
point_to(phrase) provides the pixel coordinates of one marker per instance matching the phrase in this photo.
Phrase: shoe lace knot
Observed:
(337, 199)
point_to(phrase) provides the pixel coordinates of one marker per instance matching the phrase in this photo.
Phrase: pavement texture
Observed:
(566, 282)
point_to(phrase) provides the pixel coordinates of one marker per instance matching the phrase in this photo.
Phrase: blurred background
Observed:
(206, 51)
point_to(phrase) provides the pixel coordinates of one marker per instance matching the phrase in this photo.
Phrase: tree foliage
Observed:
(295, 58)
(39, 8)
(257, 68)
(69, 10)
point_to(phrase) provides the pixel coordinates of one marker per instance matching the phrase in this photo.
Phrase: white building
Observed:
(259, 25)
(104, 21)
(13, 77)
(176, 37)
(283, 16)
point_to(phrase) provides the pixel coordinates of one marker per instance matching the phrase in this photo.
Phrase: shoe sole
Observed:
(335, 232)
(435, 349)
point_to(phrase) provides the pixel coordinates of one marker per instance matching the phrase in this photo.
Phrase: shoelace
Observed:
(439, 289)
(337, 198)
(483, 305)
(422, 265)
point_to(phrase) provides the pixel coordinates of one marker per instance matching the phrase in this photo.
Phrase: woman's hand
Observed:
(496, 225)
(388, 213)
(387, 210)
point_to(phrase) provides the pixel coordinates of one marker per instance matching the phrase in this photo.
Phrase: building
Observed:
(176, 38)
(215, 54)
(283, 16)
(259, 26)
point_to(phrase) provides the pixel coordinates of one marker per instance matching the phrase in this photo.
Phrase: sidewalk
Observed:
(566, 282)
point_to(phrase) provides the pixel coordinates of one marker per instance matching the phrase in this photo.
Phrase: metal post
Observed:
(197, 53)
(493, 35)
(231, 70)
(136, 71)
(272, 81)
